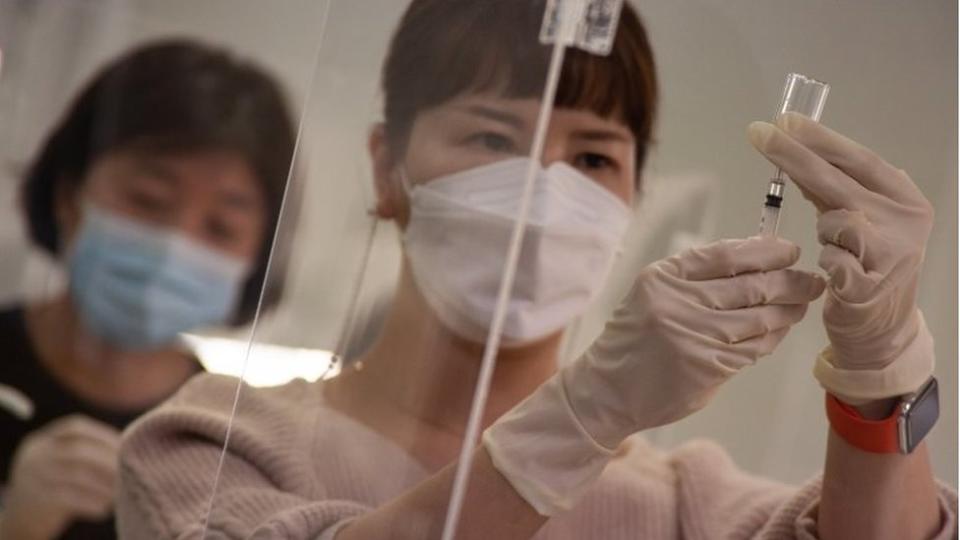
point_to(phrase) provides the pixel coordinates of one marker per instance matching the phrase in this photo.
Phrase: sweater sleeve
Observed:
(718, 500)
(170, 457)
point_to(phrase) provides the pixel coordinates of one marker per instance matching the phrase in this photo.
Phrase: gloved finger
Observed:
(846, 229)
(824, 182)
(734, 326)
(92, 483)
(81, 503)
(786, 286)
(851, 157)
(81, 442)
(848, 280)
(728, 258)
(78, 426)
(98, 464)
(763, 345)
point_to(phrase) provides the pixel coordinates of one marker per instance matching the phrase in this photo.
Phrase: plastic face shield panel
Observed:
(412, 211)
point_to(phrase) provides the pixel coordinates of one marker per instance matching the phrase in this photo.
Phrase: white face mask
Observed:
(459, 234)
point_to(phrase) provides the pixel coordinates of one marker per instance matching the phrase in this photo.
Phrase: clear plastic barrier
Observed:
(450, 237)
(449, 268)
(423, 192)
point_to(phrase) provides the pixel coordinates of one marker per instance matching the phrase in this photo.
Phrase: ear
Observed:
(66, 211)
(390, 197)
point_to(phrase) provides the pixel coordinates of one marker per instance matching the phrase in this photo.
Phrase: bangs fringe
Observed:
(447, 48)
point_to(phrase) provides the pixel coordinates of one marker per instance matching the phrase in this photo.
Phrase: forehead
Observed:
(523, 113)
(192, 173)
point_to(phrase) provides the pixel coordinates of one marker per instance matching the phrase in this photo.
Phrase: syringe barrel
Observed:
(804, 95)
(769, 220)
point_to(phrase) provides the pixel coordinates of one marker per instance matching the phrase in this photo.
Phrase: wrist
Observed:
(879, 428)
(904, 375)
(544, 452)
(876, 409)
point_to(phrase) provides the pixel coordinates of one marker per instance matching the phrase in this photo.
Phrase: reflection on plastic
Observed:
(269, 365)
(16, 402)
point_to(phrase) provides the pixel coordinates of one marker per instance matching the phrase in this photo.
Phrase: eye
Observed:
(148, 202)
(594, 161)
(222, 232)
(493, 142)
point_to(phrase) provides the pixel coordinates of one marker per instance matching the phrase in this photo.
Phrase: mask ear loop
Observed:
(404, 183)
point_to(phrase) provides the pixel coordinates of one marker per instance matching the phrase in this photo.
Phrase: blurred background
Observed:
(722, 63)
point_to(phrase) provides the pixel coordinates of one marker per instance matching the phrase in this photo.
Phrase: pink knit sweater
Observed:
(297, 469)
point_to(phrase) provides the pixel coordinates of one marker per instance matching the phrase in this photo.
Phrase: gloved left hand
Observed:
(874, 224)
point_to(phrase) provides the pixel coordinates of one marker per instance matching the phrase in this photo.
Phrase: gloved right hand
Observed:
(874, 224)
(690, 322)
(60, 473)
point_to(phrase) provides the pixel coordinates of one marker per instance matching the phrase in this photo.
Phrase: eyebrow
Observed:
(495, 114)
(157, 170)
(233, 198)
(239, 200)
(601, 135)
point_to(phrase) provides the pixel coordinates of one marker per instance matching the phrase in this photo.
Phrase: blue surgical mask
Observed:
(137, 286)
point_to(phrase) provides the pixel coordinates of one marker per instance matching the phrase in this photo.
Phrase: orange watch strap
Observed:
(877, 436)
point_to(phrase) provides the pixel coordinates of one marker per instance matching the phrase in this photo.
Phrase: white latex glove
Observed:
(690, 322)
(61, 472)
(874, 223)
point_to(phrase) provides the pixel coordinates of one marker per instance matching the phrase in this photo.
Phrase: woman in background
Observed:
(158, 192)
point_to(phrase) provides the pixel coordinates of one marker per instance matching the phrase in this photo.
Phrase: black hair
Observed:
(445, 48)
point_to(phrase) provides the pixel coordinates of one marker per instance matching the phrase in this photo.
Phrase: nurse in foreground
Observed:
(372, 453)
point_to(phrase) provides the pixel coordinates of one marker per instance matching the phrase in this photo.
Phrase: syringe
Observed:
(770, 218)
(807, 96)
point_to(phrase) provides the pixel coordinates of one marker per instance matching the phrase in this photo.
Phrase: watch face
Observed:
(922, 415)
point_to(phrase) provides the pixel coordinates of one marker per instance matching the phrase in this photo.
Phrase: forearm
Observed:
(491, 509)
(877, 496)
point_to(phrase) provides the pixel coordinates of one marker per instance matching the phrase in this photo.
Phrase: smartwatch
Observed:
(901, 432)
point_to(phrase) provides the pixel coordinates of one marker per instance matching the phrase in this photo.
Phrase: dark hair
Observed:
(171, 96)
(444, 48)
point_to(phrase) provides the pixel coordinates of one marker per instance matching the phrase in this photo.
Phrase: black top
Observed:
(21, 369)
